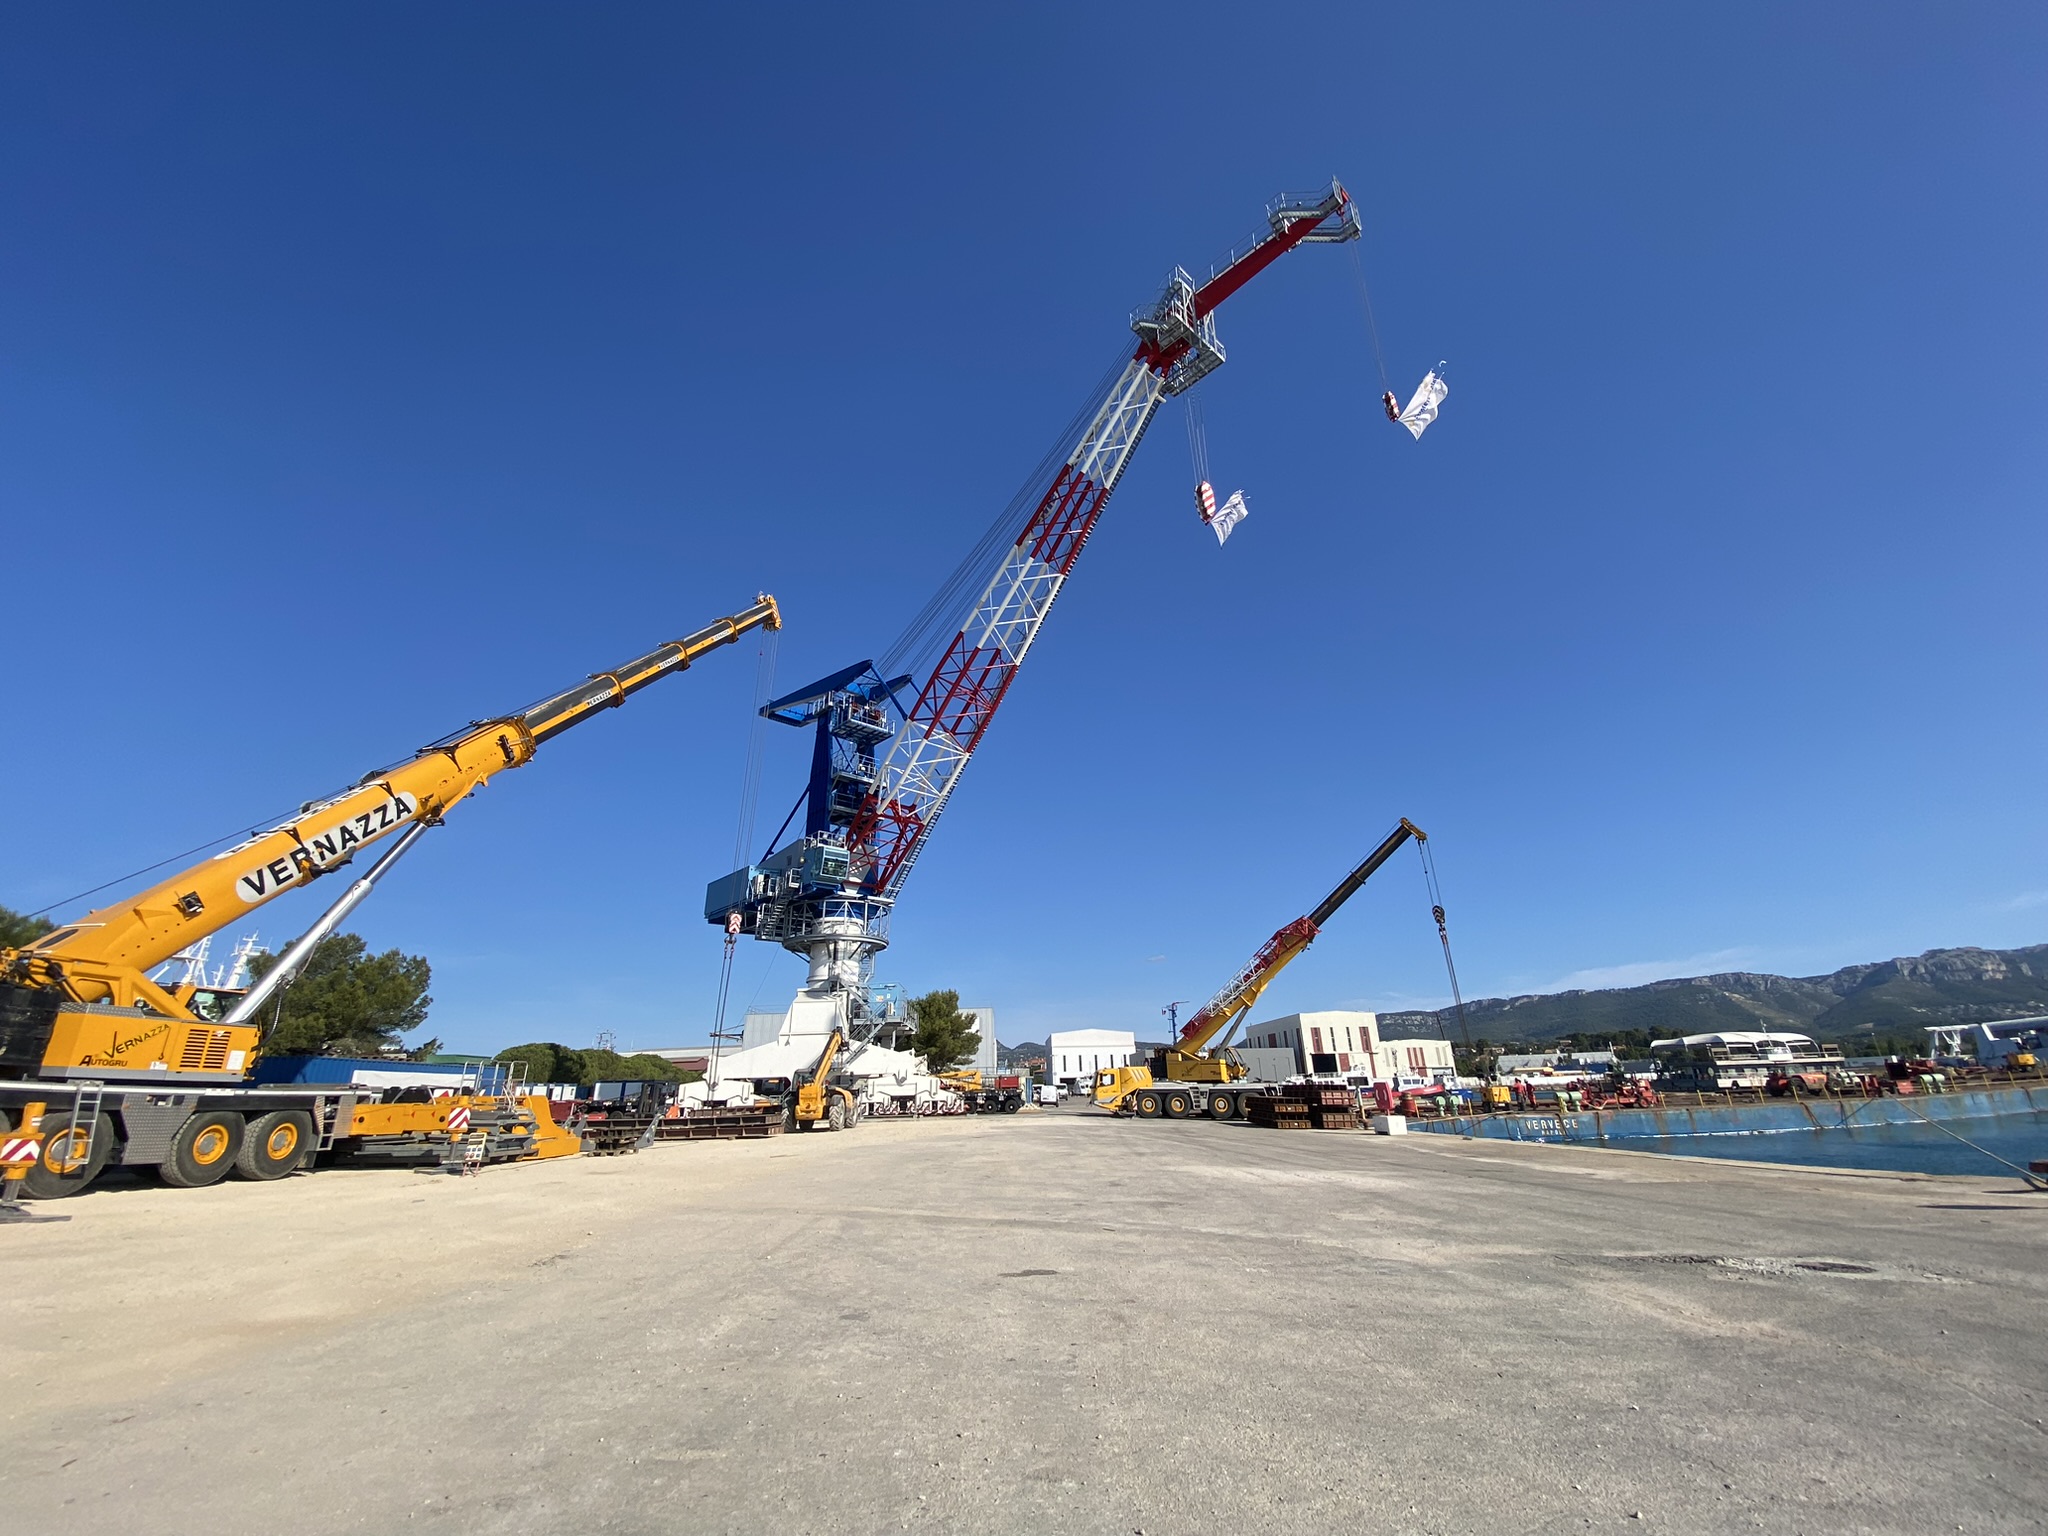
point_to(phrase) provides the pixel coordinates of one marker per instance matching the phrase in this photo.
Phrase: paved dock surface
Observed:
(1048, 1322)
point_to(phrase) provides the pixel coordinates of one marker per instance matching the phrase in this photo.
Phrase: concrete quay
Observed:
(1046, 1322)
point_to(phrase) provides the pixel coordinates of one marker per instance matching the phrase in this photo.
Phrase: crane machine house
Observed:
(891, 738)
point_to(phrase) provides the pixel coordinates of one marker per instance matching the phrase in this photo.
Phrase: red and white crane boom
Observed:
(875, 795)
(1177, 345)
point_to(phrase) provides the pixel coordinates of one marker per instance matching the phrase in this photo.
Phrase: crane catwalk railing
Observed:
(1232, 1000)
(957, 702)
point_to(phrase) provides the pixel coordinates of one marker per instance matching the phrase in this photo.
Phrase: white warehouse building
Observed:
(1344, 1043)
(1078, 1054)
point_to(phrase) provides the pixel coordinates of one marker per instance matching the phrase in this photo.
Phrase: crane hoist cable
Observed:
(1428, 399)
(750, 777)
(750, 801)
(1219, 520)
(1443, 932)
(1371, 325)
(1198, 437)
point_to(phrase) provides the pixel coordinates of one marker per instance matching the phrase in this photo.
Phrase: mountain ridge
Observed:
(1964, 985)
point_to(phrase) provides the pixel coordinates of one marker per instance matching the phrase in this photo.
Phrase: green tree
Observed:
(347, 1001)
(945, 1037)
(547, 1062)
(17, 928)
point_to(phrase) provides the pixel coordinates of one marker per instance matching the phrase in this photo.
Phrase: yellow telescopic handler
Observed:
(101, 1066)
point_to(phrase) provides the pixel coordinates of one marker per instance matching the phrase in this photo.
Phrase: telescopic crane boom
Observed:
(1190, 1059)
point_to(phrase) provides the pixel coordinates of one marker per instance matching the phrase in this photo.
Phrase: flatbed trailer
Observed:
(195, 1134)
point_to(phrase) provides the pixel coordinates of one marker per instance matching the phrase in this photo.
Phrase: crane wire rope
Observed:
(743, 834)
(211, 842)
(1198, 437)
(935, 624)
(1436, 910)
(2034, 1180)
(750, 777)
(1371, 325)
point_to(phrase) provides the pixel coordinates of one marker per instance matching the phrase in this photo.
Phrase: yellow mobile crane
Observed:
(1202, 1073)
(99, 1064)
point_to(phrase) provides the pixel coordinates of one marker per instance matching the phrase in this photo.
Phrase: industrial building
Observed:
(1342, 1042)
(1078, 1054)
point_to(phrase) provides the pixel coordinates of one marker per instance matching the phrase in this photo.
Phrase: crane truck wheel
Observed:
(1178, 1105)
(203, 1151)
(1148, 1106)
(835, 1117)
(68, 1165)
(274, 1144)
(1222, 1106)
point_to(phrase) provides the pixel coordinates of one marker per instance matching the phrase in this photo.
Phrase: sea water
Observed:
(1915, 1147)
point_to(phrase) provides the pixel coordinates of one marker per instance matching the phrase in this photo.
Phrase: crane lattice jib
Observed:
(142, 932)
(1176, 346)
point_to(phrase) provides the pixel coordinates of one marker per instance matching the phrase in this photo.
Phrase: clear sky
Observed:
(368, 369)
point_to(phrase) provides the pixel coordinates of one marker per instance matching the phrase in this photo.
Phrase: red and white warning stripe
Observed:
(21, 1149)
(458, 1119)
(1205, 500)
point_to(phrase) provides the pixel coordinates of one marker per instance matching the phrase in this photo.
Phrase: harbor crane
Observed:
(889, 752)
(99, 1062)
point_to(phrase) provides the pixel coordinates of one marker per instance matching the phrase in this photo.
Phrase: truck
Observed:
(1199, 1075)
(103, 1066)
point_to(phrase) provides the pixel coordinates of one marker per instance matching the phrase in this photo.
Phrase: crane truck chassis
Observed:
(101, 1066)
(195, 1136)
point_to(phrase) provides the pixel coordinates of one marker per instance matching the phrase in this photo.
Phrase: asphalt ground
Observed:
(1045, 1322)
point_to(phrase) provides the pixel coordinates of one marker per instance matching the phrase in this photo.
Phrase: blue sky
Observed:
(366, 370)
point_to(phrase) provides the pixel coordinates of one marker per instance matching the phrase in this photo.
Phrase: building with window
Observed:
(1078, 1054)
(1344, 1043)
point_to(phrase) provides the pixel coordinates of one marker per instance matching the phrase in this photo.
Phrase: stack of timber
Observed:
(1276, 1114)
(735, 1124)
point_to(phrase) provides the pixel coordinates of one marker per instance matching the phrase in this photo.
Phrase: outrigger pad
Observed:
(1422, 405)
